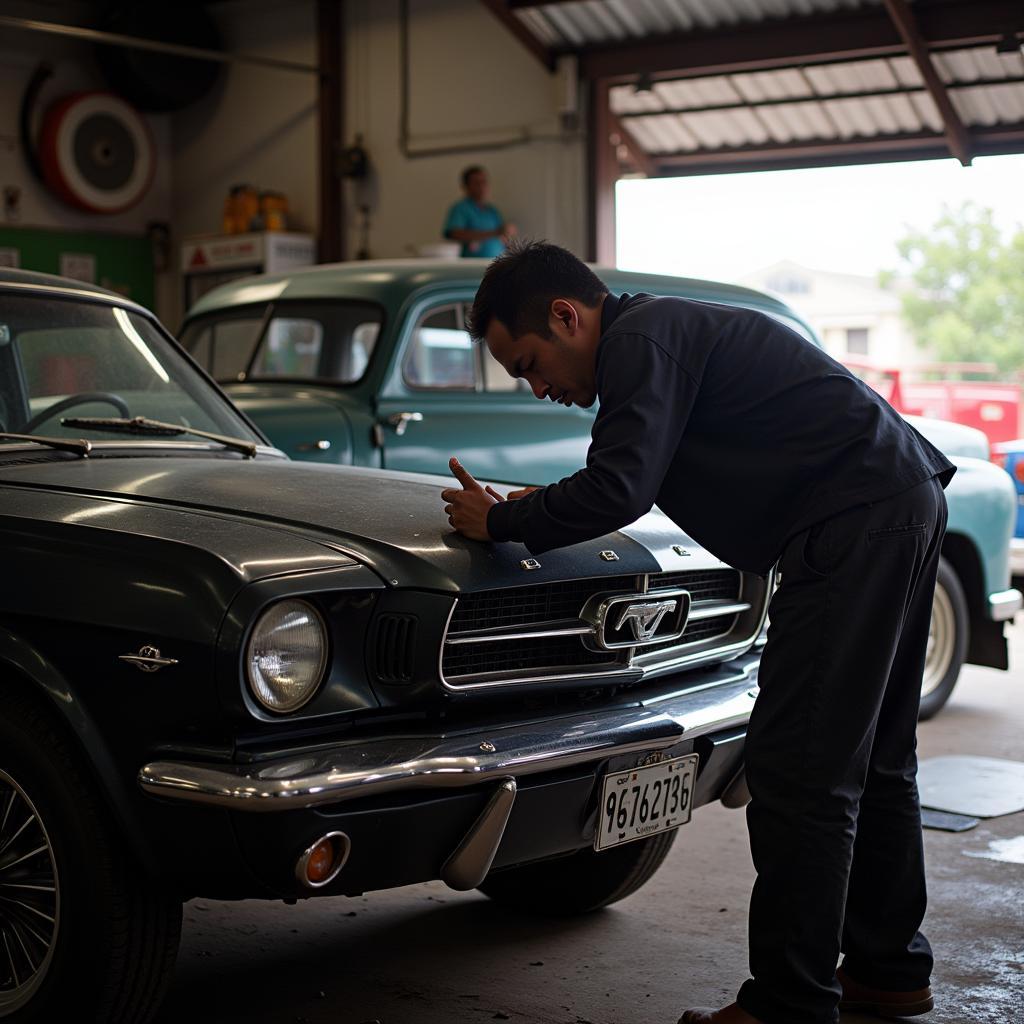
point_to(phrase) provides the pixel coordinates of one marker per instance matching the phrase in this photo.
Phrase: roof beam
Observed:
(827, 152)
(783, 42)
(637, 155)
(957, 135)
(501, 10)
(818, 97)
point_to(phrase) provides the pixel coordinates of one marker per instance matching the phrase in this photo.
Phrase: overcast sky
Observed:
(837, 218)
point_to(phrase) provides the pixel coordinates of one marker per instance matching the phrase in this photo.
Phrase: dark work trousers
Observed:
(834, 817)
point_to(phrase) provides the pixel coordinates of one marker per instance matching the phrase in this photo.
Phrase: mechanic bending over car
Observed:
(765, 450)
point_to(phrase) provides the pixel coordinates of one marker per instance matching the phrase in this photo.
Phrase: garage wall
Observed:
(470, 84)
(72, 230)
(74, 71)
(260, 125)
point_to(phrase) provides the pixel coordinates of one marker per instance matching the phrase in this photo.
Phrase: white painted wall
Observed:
(471, 83)
(260, 126)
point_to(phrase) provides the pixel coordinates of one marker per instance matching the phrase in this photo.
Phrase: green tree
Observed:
(967, 299)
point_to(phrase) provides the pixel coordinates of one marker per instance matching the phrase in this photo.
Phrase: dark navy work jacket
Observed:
(740, 430)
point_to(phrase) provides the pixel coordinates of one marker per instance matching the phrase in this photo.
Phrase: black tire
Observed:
(947, 641)
(110, 950)
(581, 882)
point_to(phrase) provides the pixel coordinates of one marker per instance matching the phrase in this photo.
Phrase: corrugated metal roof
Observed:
(571, 26)
(827, 102)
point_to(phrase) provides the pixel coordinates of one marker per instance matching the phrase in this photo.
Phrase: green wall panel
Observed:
(124, 263)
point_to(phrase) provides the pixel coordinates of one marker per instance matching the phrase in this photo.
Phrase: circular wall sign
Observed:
(96, 152)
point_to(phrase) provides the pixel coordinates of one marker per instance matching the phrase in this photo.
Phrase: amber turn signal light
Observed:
(320, 864)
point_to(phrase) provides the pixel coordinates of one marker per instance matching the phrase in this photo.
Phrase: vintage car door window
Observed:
(292, 347)
(455, 399)
(496, 378)
(441, 354)
(232, 345)
(317, 341)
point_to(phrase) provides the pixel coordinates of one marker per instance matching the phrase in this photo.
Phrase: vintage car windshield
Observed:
(62, 357)
(295, 340)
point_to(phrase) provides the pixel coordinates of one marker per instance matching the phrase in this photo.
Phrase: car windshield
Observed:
(330, 341)
(66, 358)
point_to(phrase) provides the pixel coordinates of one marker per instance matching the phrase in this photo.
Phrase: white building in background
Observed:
(853, 315)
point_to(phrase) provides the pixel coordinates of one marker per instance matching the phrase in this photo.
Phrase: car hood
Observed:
(392, 522)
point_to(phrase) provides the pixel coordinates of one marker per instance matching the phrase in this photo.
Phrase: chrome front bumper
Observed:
(1005, 604)
(369, 767)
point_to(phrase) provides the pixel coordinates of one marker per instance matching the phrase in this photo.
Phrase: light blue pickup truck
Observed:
(369, 364)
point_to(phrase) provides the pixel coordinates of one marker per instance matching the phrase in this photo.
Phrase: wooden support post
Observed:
(330, 42)
(602, 173)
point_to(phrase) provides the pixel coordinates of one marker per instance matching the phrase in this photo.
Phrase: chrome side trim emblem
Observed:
(148, 659)
(609, 556)
(645, 616)
(680, 550)
(530, 563)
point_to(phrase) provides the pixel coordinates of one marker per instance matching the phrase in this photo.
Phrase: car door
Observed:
(446, 395)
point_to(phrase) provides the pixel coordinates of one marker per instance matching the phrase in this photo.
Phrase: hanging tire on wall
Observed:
(96, 153)
(947, 641)
(582, 882)
(84, 935)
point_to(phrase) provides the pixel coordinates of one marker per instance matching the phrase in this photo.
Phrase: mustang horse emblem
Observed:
(645, 616)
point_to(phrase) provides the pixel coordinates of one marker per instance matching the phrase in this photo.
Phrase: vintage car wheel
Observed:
(581, 882)
(83, 936)
(947, 641)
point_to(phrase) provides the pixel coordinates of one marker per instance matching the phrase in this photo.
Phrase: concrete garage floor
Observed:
(427, 955)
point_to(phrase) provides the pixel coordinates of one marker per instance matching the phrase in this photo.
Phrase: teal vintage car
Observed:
(369, 364)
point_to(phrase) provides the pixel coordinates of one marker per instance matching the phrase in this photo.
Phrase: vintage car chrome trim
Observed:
(647, 666)
(485, 638)
(1004, 605)
(98, 297)
(370, 767)
(712, 609)
(467, 867)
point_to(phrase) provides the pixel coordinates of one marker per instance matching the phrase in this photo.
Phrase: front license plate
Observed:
(644, 801)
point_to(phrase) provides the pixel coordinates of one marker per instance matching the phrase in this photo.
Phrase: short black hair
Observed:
(470, 171)
(519, 286)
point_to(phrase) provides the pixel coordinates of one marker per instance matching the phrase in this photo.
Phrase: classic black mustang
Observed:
(227, 675)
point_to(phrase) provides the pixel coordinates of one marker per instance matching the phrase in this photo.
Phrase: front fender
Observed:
(22, 662)
(983, 508)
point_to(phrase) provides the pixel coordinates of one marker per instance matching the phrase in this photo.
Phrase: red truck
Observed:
(938, 391)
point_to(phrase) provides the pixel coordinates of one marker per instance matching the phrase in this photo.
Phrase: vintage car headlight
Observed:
(286, 655)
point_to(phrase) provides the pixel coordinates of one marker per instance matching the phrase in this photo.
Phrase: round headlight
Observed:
(286, 655)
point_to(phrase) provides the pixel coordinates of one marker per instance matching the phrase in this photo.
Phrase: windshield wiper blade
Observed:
(79, 445)
(142, 425)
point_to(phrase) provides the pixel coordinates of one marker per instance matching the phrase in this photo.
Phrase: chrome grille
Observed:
(518, 606)
(522, 634)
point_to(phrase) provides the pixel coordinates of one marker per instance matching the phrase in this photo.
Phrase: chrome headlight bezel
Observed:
(260, 685)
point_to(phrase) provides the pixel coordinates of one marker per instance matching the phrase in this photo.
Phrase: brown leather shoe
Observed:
(879, 1002)
(731, 1014)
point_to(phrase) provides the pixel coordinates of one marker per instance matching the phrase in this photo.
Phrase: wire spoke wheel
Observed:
(29, 898)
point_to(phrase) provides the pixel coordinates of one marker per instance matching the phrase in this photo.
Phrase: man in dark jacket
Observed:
(766, 451)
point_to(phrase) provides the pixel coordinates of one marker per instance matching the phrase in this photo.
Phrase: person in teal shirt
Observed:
(474, 221)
